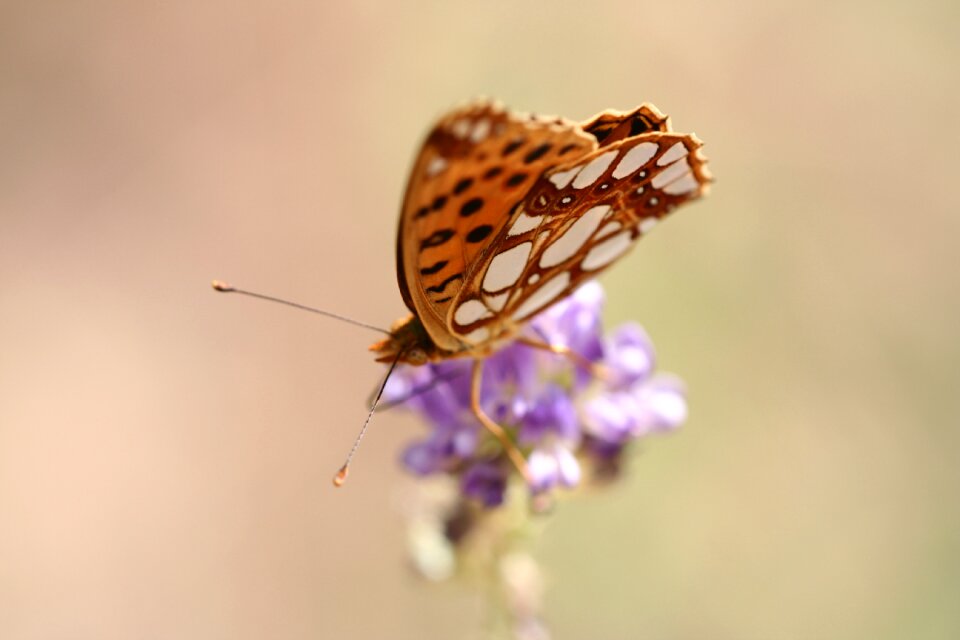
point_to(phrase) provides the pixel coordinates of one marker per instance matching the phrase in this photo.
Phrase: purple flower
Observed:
(442, 450)
(628, 355)
(552, 413)
(561, 414)
(485, 481)
(552, 466)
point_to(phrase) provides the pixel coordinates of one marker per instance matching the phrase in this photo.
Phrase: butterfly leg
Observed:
(516, 457)
(598, 371)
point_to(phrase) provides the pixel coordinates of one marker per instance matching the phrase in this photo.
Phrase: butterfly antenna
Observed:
(341, 475)
(226, 288)
(438, 380)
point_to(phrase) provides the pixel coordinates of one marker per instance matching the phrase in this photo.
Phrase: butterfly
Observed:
(506, 213)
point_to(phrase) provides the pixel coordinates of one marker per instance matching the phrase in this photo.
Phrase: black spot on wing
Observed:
(443, 285)
(637, 126)
(462, 186)
(601, 134)
(436, 238)
(516, 179)
(537, 153)
(471, 206)
(478, 234)
(512, 146)
(432, 269)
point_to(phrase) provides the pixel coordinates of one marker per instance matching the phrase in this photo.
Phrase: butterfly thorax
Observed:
(409, 343)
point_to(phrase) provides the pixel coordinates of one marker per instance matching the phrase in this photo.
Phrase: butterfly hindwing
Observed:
(575, 221)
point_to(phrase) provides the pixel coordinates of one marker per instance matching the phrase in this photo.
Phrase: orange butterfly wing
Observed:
(505, 213)
(476, 164)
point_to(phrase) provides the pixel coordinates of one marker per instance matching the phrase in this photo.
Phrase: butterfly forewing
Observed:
(476, 165)
(575, 221)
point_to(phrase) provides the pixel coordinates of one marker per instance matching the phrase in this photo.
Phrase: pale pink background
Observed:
(165, 452)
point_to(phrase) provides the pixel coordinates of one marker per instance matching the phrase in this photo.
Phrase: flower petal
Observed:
(629, 355)
(544, 470)
(568, 467)
(663, 405)
(552, 414)
(485, 481)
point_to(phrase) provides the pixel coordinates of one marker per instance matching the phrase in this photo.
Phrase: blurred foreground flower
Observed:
(573, 418)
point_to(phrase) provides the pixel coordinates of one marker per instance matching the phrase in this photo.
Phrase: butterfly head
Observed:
(408, 343)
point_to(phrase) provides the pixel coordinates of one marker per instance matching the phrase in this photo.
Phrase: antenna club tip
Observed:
(220, 285)
(341, 476)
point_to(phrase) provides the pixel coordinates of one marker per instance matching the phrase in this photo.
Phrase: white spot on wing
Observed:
(562, 179)
(685, 184)
(648, 224)
(496, 302)
(435, 166)
(534, 278)
(575, 237)
(594, 170)
(609, 228)
(675, 152)
(634, 159)
(603, 253)
(470, 311)
(478, 335)
(460, 128)
(506, 267)
(671, 173)
(525, 223)
(480, 131)
(546, 294)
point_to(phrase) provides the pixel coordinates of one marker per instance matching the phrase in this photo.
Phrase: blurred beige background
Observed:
(165, 453)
